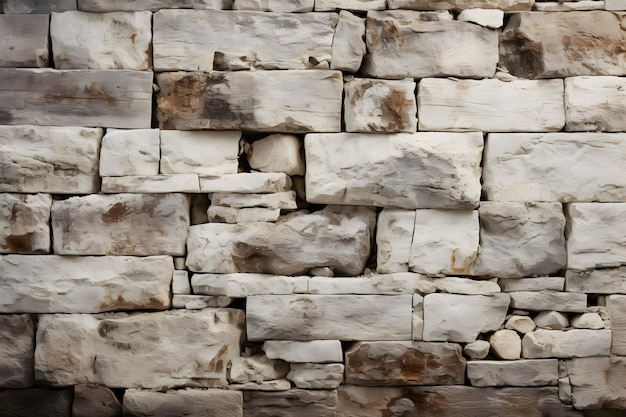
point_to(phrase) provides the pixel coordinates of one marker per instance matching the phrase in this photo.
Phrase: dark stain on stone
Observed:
(6, 117)
(19, 243)
(115, 213)
(394, 110)
(95, 90)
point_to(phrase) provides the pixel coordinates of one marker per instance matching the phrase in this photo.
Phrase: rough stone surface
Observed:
(180, 282)
(575, 343)
(291, 6)
(492, 19)
(25, 40)
(506, 5)
(455, 285)
(280, 200)
(405, 363)
(257, 369)
(95, 401)
(129, 152)
(187, 402)
(152, 5)
(520, 239)
(199, 302)
(246, 183)
(477, 350)
(521, 324)
(595, 103)
(330, 5)
(17, 347)
(295, 402)
(314, 351)
(244, 285)
(118, 350)
(617, 311)
(597, 281)
(277, 153)
(24, 222)
(534, 284)
(460, 318)
(349, 43)
(598, 382)
(38, 6)
(316, 376)
(549, 300)
(36, 402)
(569, 6)
(343, 317)
(420, 170)
(152, 184)
(394, 234)
(551, 320)
(589, 321)
(521, 373)
(388, 284)
(506, 344)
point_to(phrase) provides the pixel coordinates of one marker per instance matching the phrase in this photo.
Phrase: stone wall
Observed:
(313, 208)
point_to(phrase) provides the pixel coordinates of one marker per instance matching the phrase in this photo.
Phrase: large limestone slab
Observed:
(520, 239)
(595, 103)
(394, 234)
(549, 300)
(402, 44)
(574, 343)
(89, 284)
(38, 6)
(294, 402)
(192, 40)
(405, 363)
(506, 5)
(348, 43)
(282, 6)
(56, 160)
(283, 101)
(343, 317)
(17, 347)
(130, 152)
(597, 281)
(520, 373)
(119, 350)
(336, 237)
(523, 167)
(245, 285)
(491, 105)
(598, 382)
(457, 285)
(24, 40)
(187, 402)
(314, 351)
(384, 284)
(48, 97)
(617, 311)
(596, 235)
(557, 45)
(460, 318)
(36, 402)
(117, 40)
(24, 223)
(151, 5)
(420, 170)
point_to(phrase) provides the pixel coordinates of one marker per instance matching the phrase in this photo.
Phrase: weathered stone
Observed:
(589, 321)
(359, 5)
(521, 324)
(506, 344)
(418, 317)
(533, 284)
(218, 214)
(489, 18)
(491, 105)
(556, 45)
(349, 43)
(49, 97)
(56, 160)
(246, 183)
(405, 363)
(596, 235)
(244, 285)
(615, 5)
(314, 351)
(316, 376)
(102, 224)
(152, 5)
(118, 350)
(389, 284)
(337, 237)
(380, 105)
(17, 347)
(598, 382)
(477, 350)
(199, 302)
(193, 40)
(187, 402)
(551, 320)
(152, 184)
(420, 170)
(568, 6)
(595, 103)
(63, 284)
(37, 6)
(394, 234)
(455, 285)
(129, 152)
(285, 101)
(597, 281)
(199, 152)
(95, 401)
(277, 153)
(24, 224)
(257, 368)
(266, 386)
(460, 318)
(343, 317)
(505, 5)
(522, 373)
(575, 343)
(401, 44)
(617, 311)
(36, 402)
(25, 40)
(291, 6)
(180, 282)
(444, 241)
(549, 300)
(295, 402)
(520, 239)
(280, 200)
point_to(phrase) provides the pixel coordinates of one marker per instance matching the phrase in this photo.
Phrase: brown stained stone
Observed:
(36, 402)
(292, 403)
(405, 363)
(24, 223)
(95, 401)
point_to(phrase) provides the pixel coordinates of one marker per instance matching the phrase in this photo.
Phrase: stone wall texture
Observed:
(312, 208)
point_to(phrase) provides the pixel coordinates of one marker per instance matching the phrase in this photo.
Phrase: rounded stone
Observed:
(477, 350)
(506, 344)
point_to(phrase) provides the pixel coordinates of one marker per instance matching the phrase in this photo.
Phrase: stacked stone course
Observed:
(322, 208)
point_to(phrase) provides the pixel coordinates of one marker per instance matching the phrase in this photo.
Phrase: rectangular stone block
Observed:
(294, 402)
(280, 200)
(617, 312)
(283, 101)
(534, 284)
(519, 373)
(24, 223)
(382, 284)
(219, 214)
(188, 402)
(121, 224)
(420, 170)
(348, 43)
(314, 351)
(523, 167)
(506, 5)
(245, 285)
(55, 160)
(246, 183)
(129, 152)
(119, 350)
(596, 235)
(598, 383)
(157, 184)
(38, 6)
(394, 234)
(343, 317)
(281, 6)
(25, 40)
(491, 105)
(597, 281)
(86, 284)
(595, 103)
(17, 348)
(569, 6)
(192, 40)
(549, 300)
(100, 6)
(573, 343)
(329, 5)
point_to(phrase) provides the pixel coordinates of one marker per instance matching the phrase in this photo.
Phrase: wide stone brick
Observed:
(24, 223)
(598, 383)
(506, 5)
(187, 402)
(597, 281)
(100, 6)
(130, 152)
(294, 402)
(25, 40)
(573, 343)
(519, 373)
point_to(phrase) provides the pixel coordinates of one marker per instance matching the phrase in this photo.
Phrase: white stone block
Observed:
(180, 282)
(246, 183)
(575, 343)
(38, 6)
(157, 184)
(152, 5)
(455, 285)
(189, 402)
(314, 351)
(349, 43)
(394, 234)
(257, 368)
(615, 5)
(281, 200)
(548, 300)
(330, 5)
(489, 18)
(551, 320)
(520, 373)
(595, 103)
(25, 40)
(199, 302)
(597, 281)
(129, 152)
(505, 5)
(617, 311)
(568, 6)
(291, 6)
(589, 321)
(199, 152)
(598, 383)
(277, 153)
(391, 284)
(24, 223)
(533, 284)
(316, 375)
(218, 214)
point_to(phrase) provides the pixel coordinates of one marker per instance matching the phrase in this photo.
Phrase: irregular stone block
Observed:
(87, 284)
(244, 285)
(521, 324)
(617, 311)
(380, 105)
(285, 101)
(384, 284)
(595, 103)
(25, 40)
(557, 45)
(444, 241)
(95, 401)
(129, 152)
(455, 285)
(55, 160)
(460, 318)
(491, 105)
(405, 363)
(568, 6)
(520, 239)
(117, 40)
(420, 170)
(187, 402)
(295, 402)
(343, 317)
(257, 368)
(121, 224)
(118, 349)
(477, 350)
(589, 321)
(506, 344)
(598, 382)
(505, 5)
(522, 167)
(336, 237)
(246, 183)
(574, 343)
(38, 6)
(349, 43)
(292, 6)
(492, 19)
(24, 222)
(316, 376)
(551, 320)
(277, 153)
(156, 184)
(36, 402)
(152, 5)
(49, 97)
(316, 351)
(280, 200)
(596, 235)
(199, 152)
(192, 40)
(548, 300)
(521, 373)
(394, 234)
(597, 281)
(17, 347)
(534, 284)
